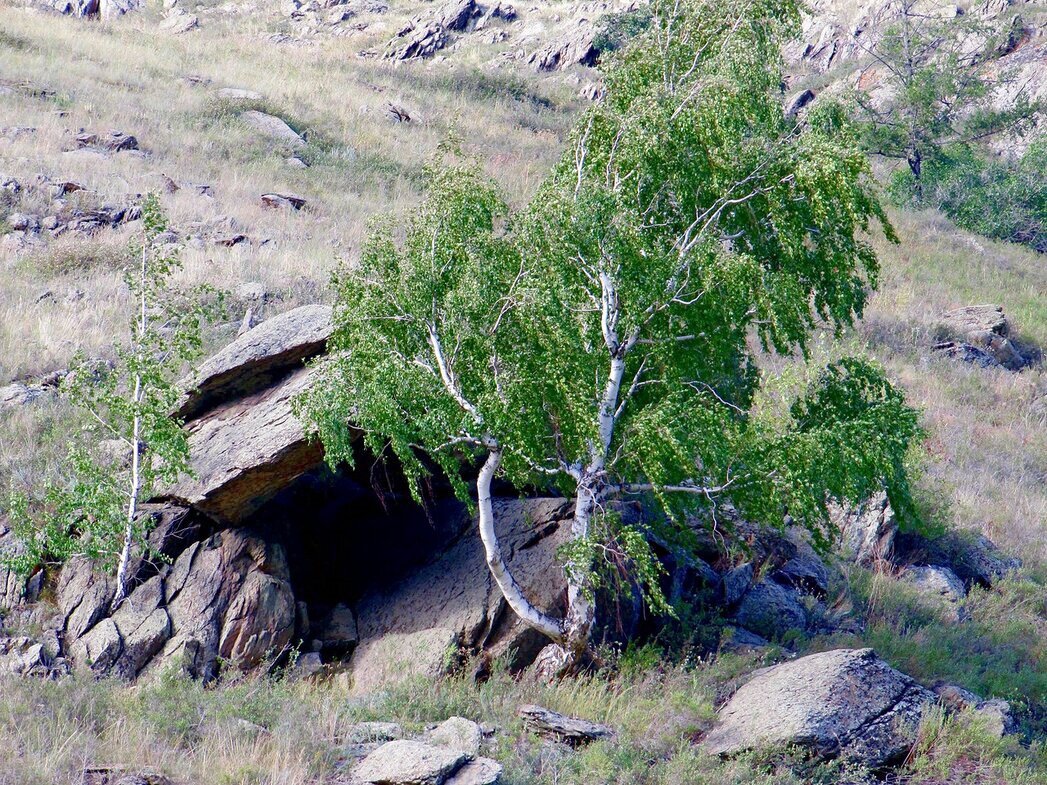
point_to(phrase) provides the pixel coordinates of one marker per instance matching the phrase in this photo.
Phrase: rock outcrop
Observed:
(416, 627)
(845, 702)
(979, 334)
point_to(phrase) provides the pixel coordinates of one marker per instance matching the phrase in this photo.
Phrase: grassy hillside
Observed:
(984, 468)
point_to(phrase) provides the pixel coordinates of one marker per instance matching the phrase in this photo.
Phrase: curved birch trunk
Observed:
(528, 613)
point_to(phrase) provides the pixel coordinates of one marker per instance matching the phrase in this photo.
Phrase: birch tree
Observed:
(94, 507)
(602, 342)
(935, 85)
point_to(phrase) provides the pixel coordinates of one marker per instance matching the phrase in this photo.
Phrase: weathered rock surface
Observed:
(868, 531)
(940, 585)
(576, 46)
(415, 627)
(459, 734)
(257, 359)
(574, 731)
(771, 610)
(844, 702)
(229, 596)
(409, 763)
(983, 329)
(273, 128)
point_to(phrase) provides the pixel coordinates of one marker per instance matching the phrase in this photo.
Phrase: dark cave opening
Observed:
(350, 531)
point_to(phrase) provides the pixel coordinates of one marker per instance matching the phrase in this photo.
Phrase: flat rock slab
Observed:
(257, 358)
(570, 730)
(846, 702)
(409, 763)
(245, 451)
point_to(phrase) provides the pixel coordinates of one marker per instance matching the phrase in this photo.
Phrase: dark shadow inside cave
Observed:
(354, 530)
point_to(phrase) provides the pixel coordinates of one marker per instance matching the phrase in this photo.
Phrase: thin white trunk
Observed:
(528, 613)
(136, 438)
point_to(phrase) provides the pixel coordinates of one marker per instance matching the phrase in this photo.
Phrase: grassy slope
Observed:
(987, 447)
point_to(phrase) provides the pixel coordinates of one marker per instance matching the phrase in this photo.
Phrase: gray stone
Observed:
(481, 771)
(254, 360)
(273, 128)
(771, 610)
(845, 702)
(409, 763)
(867, 531)
(736, 583)
(940, 585)
(985, 328)
(410, 629)
(369, 732)
(238, 94)
(740, 641)
(84, 596)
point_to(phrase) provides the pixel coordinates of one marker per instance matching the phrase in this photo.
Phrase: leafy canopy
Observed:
(688, 226)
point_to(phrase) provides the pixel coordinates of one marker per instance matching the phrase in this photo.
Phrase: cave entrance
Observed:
(351, 531)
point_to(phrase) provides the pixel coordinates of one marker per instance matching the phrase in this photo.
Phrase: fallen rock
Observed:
(847, 703)
(570, 730)
(273, 128)
(178, 22)
(113, 9)
(798, 103)
(18, 394)
(409, 763)
(238, 94)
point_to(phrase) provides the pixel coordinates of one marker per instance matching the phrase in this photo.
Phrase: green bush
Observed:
(1003, 198)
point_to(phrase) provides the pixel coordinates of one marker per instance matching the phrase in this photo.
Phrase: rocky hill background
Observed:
(274, 131)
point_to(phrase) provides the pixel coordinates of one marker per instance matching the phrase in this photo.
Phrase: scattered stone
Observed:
(178, 22)
(409, 763)
(229, 240)
(481, 771)
(458, 734)
(283, 200)
(296, 163)
(238, 94)
(979, 332)
(273, 127)
(845, 702)
(570, 730)
(398, 114)
(113, 142)
(18, 394)
(370, 732)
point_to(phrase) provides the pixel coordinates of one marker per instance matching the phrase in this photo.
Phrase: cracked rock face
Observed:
(843, 703)
(409, 630)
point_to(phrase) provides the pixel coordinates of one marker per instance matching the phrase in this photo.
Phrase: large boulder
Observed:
(416, 627)
(405, 762)
(771, 610)
(247, 450)
(245, 441)
(846, 702)
(983, 328)
(228, 597)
